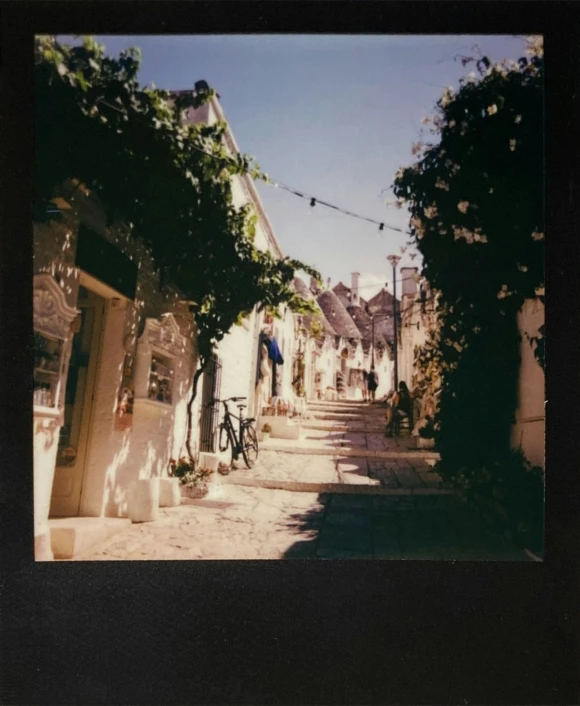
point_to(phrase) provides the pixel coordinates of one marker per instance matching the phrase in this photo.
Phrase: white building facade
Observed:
(115, 352)
(529, 430)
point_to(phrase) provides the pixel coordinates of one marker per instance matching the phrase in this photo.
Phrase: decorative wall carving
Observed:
(163, 334)
(52, 316)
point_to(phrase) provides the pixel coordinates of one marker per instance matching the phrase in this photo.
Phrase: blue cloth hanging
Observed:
(274, 351)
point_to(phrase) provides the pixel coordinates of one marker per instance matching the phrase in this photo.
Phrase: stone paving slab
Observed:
(267, 524)
(339, 428)
(355, 438)
(313, 499)
(303, 473)
(407, 477)
(354, 488)
(310, 447)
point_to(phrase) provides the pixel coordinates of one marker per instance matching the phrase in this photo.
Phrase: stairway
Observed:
(343, 448)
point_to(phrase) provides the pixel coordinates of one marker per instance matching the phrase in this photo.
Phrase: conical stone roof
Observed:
(363, 322)
(337, 315)
(302, 289)
(383, 301)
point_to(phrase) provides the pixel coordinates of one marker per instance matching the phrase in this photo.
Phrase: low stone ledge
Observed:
(345, 488)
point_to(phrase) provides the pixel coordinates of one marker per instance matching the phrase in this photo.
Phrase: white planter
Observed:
(208, 460)
(143, 500)
(282, 427)
(169, 492)
(425, 443)
(265, 435)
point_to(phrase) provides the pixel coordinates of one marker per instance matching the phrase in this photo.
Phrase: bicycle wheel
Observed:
(226, 442)
(249, 444)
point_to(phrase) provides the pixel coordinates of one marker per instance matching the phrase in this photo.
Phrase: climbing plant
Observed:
(476, 199)
(169, 183)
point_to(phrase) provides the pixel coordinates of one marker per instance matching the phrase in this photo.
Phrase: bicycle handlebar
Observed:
(230, 399)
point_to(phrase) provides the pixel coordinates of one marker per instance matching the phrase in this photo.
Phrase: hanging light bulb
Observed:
(382, 226)
(312, 203)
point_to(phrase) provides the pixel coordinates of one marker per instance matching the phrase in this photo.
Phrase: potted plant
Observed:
(426, 438)
(266, 431)
(194, 482)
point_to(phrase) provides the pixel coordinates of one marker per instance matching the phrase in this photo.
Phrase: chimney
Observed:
(408, 275)
(354, 298)
(201, 86)
(313, 286)
(328, 283)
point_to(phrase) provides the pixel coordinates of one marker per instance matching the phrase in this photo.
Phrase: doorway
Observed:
(210, 409)
(80, 387)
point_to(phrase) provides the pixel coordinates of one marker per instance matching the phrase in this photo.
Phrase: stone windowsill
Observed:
(155, 404)
(47, 412)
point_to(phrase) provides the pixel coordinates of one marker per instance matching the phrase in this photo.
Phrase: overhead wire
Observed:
(313, 200)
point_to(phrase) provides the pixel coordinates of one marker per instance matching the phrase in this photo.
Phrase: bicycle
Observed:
(245, 442)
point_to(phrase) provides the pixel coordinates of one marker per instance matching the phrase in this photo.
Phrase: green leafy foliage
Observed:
(169, 183)
(476, 198)
(316, 328)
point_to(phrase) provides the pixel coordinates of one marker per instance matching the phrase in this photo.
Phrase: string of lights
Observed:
(313, 200)
(375, 286)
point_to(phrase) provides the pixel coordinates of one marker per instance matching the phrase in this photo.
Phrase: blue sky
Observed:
(332, 116)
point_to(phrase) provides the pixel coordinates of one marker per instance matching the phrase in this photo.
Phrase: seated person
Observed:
(400, 405)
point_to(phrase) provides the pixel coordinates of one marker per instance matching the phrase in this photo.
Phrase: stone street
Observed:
(335, 493)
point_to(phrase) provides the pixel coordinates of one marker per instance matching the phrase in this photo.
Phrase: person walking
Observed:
(340, 385)
(365, 390)
(372, 383)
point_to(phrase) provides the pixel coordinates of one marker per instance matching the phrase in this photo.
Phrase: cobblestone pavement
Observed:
(387, 473)
(387, 508)
(256, 523)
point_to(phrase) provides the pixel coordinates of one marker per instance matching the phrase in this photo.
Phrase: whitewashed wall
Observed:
(528, 433)
(116, 458)
(238, 351)
(411, 336)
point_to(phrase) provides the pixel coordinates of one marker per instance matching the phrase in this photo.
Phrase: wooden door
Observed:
(73, 441)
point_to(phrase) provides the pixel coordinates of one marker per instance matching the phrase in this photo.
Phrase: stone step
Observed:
(339, 427)
(309, 449)
(72, 537)
(350, 417)
(320, 487)
(367, 409)
(346, 405)
(337, 403)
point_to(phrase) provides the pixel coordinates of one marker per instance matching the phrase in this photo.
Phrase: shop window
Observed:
(47, 369)
(161, 350)
(161, 379)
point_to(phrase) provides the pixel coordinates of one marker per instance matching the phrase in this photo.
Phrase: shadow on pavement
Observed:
(359, 526)
(309, 524)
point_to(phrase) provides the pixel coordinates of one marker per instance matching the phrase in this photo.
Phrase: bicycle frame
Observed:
(229, 425)
(235, 437)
